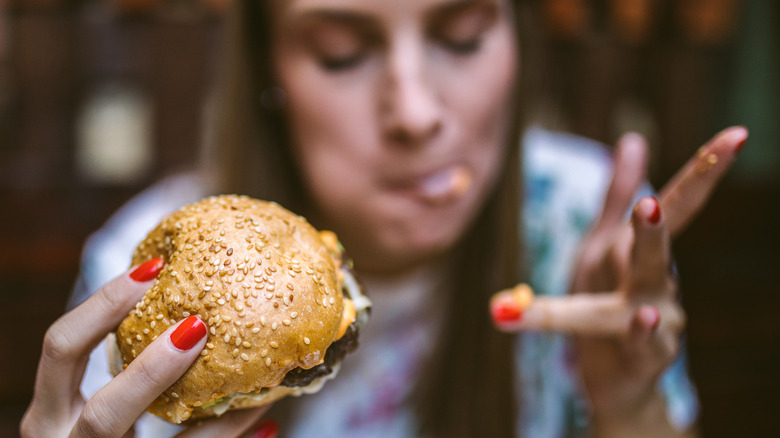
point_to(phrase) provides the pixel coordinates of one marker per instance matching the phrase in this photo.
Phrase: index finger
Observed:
(627, 176)
(70, 339)
(114, 409)
(688, 191)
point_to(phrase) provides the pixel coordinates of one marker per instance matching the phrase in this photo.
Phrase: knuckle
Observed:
(110, 300)
(147, 374)
(29, 428)
(93, 421)
(57, 346)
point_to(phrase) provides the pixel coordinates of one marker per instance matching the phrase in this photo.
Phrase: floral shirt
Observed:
(565, 181)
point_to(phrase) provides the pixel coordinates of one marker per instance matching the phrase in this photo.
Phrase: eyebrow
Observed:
(352, 18)
(455, 6)
(365, 19)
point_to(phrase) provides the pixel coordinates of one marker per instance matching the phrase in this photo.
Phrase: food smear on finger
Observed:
(509, 305)
(706, 162)
(280, 302)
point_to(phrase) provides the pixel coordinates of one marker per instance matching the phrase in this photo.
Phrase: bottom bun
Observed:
(264, 397)
(183, 414)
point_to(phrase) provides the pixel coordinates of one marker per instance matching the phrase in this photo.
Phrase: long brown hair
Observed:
(467, 387)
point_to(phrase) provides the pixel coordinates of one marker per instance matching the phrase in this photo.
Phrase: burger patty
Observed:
(335, 353)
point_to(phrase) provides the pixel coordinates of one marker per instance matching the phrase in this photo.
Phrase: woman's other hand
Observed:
(58, 409)
(623, 311)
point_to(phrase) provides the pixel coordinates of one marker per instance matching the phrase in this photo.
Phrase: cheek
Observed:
(332, 126)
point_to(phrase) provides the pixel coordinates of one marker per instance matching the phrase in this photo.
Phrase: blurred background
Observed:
(98, 99)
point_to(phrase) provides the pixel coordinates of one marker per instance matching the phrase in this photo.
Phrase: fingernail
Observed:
(739, 146)
(655, 215)
(148, 270)
(267, 429)
(505, 312)
(188, 333)
(651, 315)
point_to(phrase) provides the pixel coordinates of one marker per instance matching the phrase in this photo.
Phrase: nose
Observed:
(410, 105)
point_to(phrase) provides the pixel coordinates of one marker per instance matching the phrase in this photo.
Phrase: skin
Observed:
(58, 408)
(383, 95)
(623, 311)
(401, 106)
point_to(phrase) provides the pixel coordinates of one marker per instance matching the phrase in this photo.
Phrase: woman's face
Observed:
(399, 115)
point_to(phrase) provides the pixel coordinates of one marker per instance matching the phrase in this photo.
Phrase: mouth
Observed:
(439, 187)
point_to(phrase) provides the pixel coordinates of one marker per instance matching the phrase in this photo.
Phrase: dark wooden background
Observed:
(677, 71)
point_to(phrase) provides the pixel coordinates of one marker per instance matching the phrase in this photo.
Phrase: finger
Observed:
(627, 176)
(581, 314)
(688, 191)
(649, 269)
(233, 424)
(641, 347)
(114, 409)
(70, 339)
(652, 344)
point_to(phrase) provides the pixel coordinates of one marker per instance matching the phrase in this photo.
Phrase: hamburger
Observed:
(280, 302)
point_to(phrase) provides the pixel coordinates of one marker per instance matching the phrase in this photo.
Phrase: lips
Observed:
(439, 187)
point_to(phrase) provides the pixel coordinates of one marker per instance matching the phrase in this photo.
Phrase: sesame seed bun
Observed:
(266, 283)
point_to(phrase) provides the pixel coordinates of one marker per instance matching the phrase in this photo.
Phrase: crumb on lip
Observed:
(461, 179)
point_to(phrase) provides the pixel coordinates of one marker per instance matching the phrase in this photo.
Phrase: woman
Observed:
(394, 123)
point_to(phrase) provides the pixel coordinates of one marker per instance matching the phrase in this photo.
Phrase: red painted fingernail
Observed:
(655, 216)
(504, 312)
(739, 146)
(651, 315)
(657, 320)
(188, 333)
(148, 270)
(267, 429)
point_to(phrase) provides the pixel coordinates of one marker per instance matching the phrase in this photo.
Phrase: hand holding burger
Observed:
(288, 343)
(281, 307)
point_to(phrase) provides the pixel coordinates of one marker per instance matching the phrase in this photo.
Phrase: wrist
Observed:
(645, 416)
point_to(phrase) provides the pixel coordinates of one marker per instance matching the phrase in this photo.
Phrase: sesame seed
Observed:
(306, 341)
(274, 344)
(210, 346)
(264, 353)
(246, 344)
(274, 326)
(268, 361)
(245, 357)
(235, 352)
(174, 395)
(256, 330)
(286, 322)
(226, 338)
